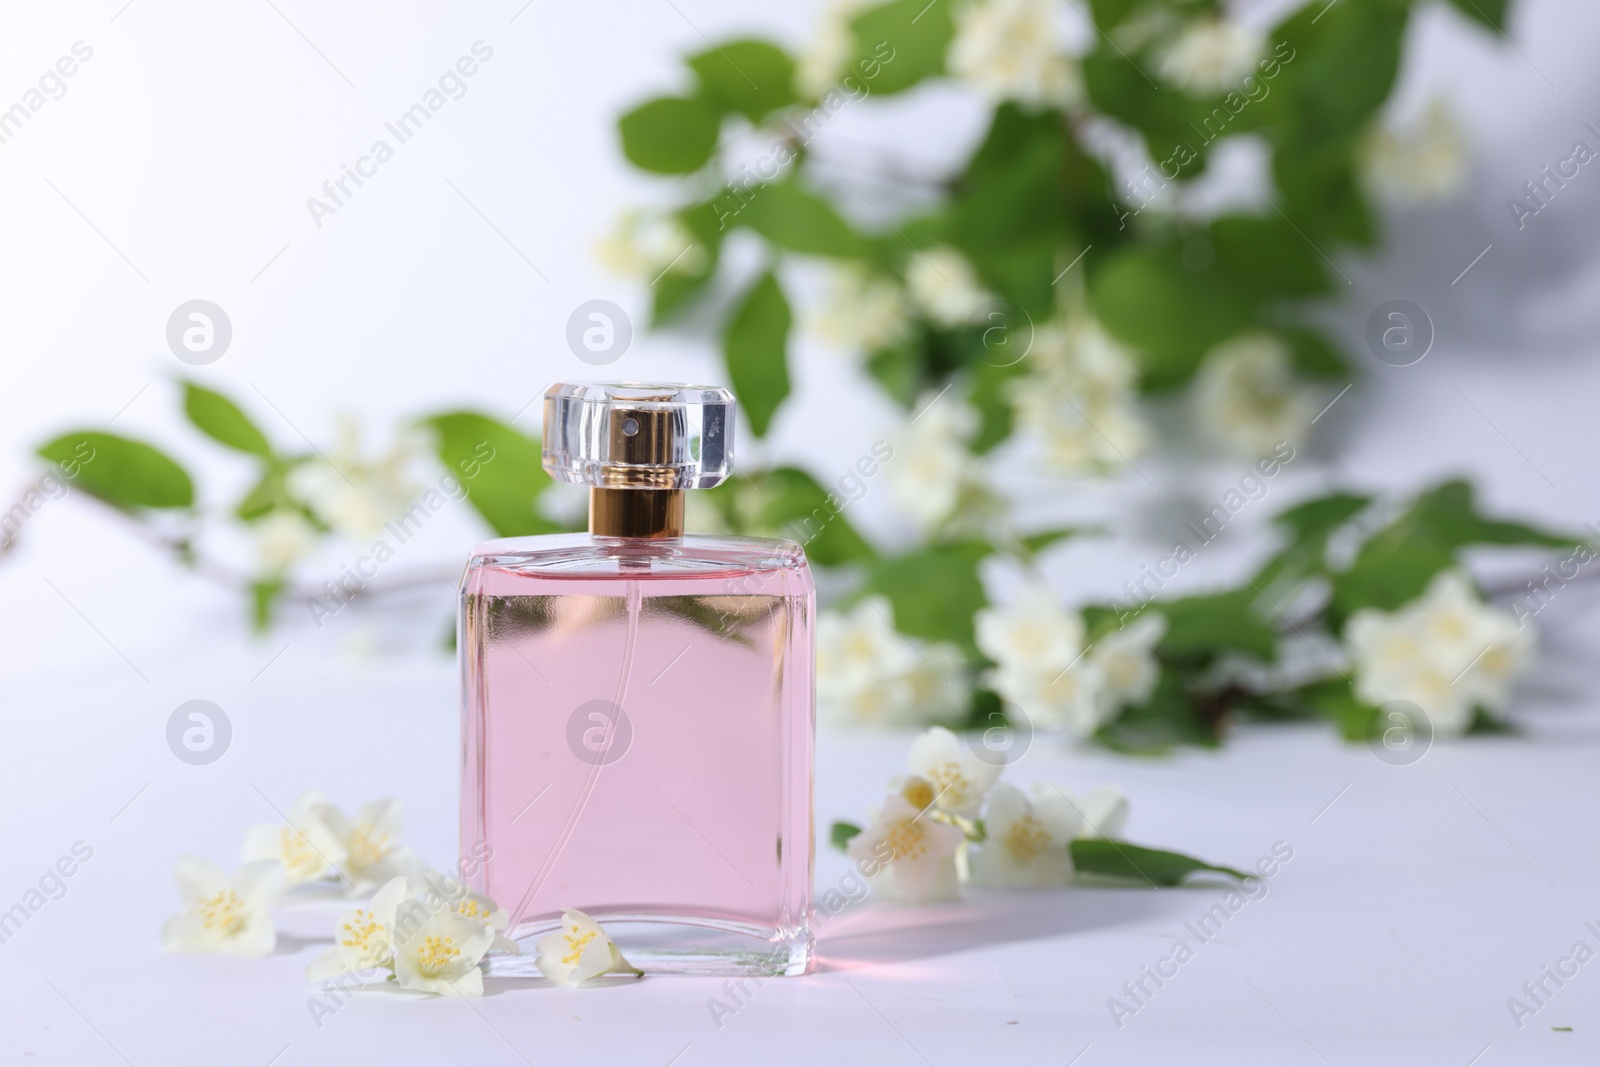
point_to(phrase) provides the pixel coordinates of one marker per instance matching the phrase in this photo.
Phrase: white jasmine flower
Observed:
(1013, 50)
(308, 849)
(580, 951)
(1211, 56)
(860, 643)
(1446, 652)
(450, 893)
(1032, 631)
(363, 939)
(1423, 162)
(879, 701)
(283, 537)
(870, 674)
(1101, 812)
(1066, 699)
(222, 914)
(825, 58)
(1078, 350)
(1045, 671)
(944, 418)
(1246, 395)
(863, 311)
(1083, 435)
(960, 780)
(1151, 24)
(927, 478)
(440, 954)
(371, 843)
(919, 852)
(645, 245)
(935, 478)
(1025, 843)
(1126, 661)
(943, 284)
(1082, 404)
(355, 495)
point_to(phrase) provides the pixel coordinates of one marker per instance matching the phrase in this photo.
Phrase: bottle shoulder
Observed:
(587, 557)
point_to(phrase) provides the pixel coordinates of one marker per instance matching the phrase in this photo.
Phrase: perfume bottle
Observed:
(637, 707)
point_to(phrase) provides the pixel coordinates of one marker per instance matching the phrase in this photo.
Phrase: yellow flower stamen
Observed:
(224, 912)
(948, 777)
(363, 930)
(436, 953)
(367, 846)
(296, 851)
(908, 840)
(1025, 838)
(577, 942)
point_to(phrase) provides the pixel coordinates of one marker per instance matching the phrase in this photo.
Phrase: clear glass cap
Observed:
(633, 435)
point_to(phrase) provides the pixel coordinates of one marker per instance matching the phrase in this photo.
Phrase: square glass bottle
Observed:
(637, 704)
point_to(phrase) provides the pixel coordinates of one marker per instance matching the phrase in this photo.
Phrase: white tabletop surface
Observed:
(1418, 900)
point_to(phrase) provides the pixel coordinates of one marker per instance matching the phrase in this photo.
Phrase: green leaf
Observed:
(1448, 514)
(271, 492)
(1335, 700)
(755, 346)
(669, 135)
(1483, 722)
(1108, 13)
(1309, 524)
(1135, 863)
(498, 466)
(1314, 355)
(1177, 129)
(1387, 575)
(793, 503)
(906, 39)
(899, 371)
(122, 472)
(223, 421)
(800, 221)
(1397, 563)
(1038, 542)
(1490, 13)
(263, 602)
(1173, 314)
(1338, 67)
(1320, 192)
(996, 414)
(1319, 517)
(1010, 215)
(935, 592)
(1201, 627)
(1031, 200)
(750, 77)
(841, 834)
(1266, 258)
(1176, 301)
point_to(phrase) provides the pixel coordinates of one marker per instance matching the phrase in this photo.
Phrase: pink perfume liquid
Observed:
(683, 820)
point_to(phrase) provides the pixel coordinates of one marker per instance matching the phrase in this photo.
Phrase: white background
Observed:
(177, 166)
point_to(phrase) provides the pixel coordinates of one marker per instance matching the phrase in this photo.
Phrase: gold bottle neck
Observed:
(641, 513)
